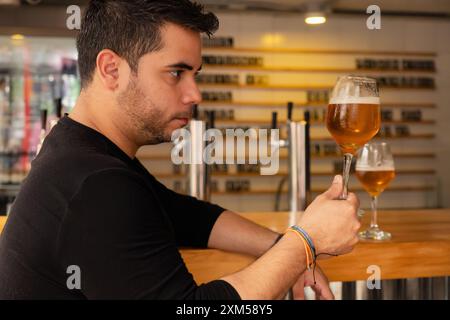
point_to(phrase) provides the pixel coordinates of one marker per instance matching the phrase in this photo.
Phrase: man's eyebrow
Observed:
(182, 65)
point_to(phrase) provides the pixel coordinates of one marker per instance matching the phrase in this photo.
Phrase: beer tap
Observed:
(197, 167)
(297, 143)
(207, 176)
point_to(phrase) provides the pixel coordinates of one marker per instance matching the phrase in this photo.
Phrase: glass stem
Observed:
(374, 203)
(346, 174)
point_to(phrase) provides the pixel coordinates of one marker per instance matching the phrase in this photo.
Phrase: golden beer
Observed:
(353, 123)
(374, 182)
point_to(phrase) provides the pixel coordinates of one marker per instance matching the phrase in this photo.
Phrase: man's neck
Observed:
(84, 113)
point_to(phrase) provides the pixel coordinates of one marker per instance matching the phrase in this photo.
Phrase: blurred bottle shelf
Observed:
(329, 138)
(411, 136)
(321, 51)
(393, 137)
(294, 87)
(303, 104)
(314, 123)
(310, 70)
(226, 99)
(396, 155)
(144, 156)
(321, 190)
(284, 174)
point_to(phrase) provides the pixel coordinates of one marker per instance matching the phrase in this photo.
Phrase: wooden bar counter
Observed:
(420, 247)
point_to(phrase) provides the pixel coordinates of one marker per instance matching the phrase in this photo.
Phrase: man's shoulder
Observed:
(76, 164)
(60, 175)
(113, 176)
(71, 149)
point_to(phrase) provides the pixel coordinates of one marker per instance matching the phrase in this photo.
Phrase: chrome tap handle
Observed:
(290, 106)
(195, 111)
(274, 120)
(211, 119)
(281, 143)
(307, 151)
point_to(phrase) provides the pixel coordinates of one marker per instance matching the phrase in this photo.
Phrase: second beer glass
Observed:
(375, 170)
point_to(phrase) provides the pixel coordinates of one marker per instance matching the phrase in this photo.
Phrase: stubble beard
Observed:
(145, 120)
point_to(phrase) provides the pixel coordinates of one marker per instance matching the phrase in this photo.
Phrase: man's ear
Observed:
(108, 63)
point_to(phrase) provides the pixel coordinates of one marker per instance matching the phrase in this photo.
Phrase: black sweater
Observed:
(86, 204)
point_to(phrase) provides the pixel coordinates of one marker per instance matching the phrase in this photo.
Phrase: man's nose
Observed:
(192, 94)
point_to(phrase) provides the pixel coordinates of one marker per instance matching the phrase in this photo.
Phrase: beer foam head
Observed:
(354, 100)
(386, 167)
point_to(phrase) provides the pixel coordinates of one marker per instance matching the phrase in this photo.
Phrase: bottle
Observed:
(58, 112)
(43, 132)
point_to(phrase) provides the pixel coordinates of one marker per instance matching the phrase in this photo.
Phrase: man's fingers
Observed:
(353, 199)
(323, 292)
(322, 286)
(298, 290)
(335, 190)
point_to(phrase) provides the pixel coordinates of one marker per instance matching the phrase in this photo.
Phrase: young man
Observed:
(89, 204)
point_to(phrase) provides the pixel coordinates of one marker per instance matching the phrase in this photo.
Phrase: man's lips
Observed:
(183, 117)
(182, 121)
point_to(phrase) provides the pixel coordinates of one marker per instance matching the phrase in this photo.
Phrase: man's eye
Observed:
(176, 73)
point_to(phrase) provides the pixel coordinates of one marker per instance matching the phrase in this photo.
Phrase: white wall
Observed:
(350, 33)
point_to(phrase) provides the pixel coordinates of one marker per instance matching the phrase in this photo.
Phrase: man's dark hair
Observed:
(131, 28)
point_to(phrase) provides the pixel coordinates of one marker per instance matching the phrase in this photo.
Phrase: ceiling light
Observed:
(17, 36)
(315, 18)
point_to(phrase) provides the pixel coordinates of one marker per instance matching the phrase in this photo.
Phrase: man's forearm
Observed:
(232, 232)
(271, 276)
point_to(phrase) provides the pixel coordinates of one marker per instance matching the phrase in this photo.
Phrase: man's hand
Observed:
(321, 288)
(332, 224)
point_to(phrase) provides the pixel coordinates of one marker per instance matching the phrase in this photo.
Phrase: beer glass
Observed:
(375, 169)
(353, 117)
